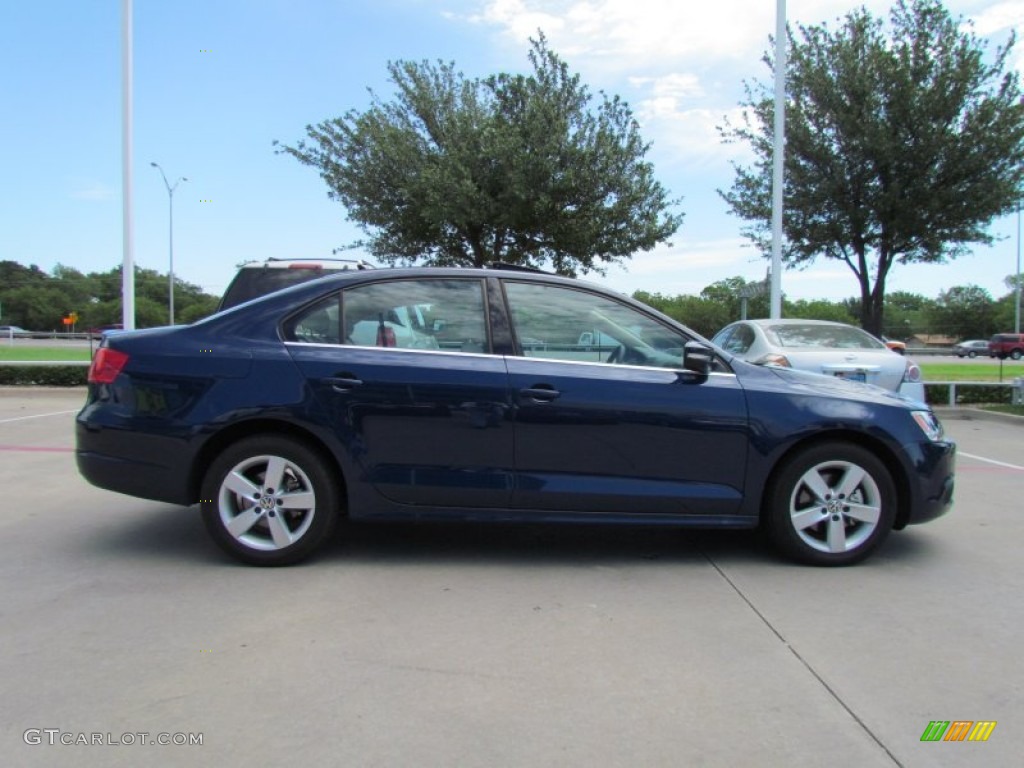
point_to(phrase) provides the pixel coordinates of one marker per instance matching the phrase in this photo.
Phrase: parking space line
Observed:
(39, 416)
(991, 461)
(37, 448)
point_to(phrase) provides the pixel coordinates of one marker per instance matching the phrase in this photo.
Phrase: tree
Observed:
(965, 311)
(38, 301)
(899, 149)
(510, 168)
(702, 315)
(818, 309)
(905, 314)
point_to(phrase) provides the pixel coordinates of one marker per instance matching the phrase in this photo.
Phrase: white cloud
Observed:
(681, 64)
(92, 191)
(686, 266)
(672, 87)
(517, 19)
(1000, 17)
(634, 33)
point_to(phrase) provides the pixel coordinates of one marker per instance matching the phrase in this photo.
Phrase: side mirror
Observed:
(697, 357)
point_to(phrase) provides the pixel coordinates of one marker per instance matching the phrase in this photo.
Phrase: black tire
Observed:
(1015, 354)
(972, 354)
(845, 519)
(261, 525)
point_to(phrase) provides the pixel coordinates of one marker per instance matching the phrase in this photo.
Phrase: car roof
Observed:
(275, 262)
(305, 291)
(764, 322)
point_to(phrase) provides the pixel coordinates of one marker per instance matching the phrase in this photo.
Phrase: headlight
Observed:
(929, 424)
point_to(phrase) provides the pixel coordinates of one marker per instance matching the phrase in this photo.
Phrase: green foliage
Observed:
(37, 301)
(44, 375)
(905, 314)
(938, 394)
(701, 314)
(818, 309)
(900, 147)
(964, 312)
(514, 168)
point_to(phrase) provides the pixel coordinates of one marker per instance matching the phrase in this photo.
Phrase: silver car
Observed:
(971, 348)
(822, 346)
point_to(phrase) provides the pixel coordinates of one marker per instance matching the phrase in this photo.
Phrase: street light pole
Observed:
(170, 212)
(778, 159)
(1016, 311)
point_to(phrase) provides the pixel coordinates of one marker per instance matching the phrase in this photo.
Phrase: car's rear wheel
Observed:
(830, 504)
(269, 500)
(1015, 354)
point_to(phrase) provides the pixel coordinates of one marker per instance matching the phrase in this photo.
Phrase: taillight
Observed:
(106, 365)
(913, 373)
(774, 358)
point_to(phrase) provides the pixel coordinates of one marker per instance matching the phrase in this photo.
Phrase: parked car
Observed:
(899, 347)
(98, 331)
(1004, 345)
(258, 278)
(14, 331)
(275, 419)
(971, 348)
(823, 346)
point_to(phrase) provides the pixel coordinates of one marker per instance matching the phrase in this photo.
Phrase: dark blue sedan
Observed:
(433, 394)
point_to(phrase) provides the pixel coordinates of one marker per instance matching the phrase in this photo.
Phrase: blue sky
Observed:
(218, 81)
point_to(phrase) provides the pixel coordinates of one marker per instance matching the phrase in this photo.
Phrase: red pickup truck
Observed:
(1004, 345)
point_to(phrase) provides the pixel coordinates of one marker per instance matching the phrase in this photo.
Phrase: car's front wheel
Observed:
(269, 500)
(830, 504)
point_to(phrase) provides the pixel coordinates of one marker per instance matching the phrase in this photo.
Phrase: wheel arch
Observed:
(880, 449)
(249, 428)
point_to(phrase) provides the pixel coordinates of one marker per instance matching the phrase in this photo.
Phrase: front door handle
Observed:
(541, 393)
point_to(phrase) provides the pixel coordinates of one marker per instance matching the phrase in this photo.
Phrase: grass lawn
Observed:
(23, 352)
(1016, 410)
(977, 372)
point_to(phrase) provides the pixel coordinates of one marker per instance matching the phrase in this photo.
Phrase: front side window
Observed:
(561, 323)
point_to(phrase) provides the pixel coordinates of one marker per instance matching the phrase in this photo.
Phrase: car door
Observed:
(404, 371)
(620, 426)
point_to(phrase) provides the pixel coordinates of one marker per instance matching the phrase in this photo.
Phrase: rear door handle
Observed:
(344, 382)
(542, 393)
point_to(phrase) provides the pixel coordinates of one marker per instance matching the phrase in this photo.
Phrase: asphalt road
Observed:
(497, 646)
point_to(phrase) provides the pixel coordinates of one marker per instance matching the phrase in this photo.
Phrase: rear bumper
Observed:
(135, 478)
(146, 466)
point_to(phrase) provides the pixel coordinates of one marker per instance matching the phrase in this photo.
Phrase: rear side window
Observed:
(416, 314)
(253, 282)
(404, 314)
